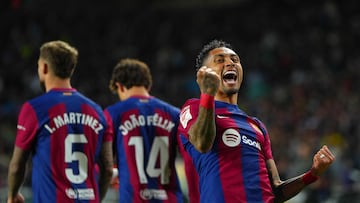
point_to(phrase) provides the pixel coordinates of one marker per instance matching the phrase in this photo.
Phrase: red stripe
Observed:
(89, 149)
(232, 175)
(131, 159)
(171, 187)
(57, 155)
(265, 185)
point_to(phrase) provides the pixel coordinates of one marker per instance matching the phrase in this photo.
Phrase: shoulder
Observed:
(115, 109)
(191, 102)
(27, 109)
(189, 112)
(93, 104)
(261, 125)
(191, 106)
(166, 105)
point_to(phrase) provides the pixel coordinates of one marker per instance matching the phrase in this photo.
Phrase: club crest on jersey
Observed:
(232, 138)
(185, 116)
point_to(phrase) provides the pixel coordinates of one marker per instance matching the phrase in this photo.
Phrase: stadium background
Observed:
(301, 61)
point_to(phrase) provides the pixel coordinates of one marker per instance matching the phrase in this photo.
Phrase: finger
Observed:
(324, 158)
(326, 151)
(202, 69)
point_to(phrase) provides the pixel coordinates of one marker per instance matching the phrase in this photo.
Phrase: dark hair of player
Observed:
(207, 48)
(130, 72)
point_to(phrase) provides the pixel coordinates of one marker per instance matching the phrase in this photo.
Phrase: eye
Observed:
(235, 59)
(219, 60)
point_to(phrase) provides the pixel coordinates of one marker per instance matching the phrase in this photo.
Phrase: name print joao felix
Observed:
(75, 118)
(141, 120)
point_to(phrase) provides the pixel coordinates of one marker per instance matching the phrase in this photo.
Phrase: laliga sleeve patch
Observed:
(185, 116)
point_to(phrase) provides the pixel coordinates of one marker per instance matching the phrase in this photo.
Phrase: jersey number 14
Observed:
(159, 149)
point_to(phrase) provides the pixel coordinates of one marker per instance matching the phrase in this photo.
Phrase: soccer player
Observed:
(230, 149)
(66, 135)
(145, 140)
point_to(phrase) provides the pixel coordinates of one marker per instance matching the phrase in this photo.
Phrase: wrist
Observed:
(207, 101)
(309, 178)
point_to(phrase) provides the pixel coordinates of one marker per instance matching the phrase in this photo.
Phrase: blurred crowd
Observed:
(301, 62)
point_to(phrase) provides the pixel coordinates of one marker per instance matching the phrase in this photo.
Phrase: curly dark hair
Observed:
(207, 48)
(130, 72)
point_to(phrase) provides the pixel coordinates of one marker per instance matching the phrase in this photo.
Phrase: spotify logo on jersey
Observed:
(231, 138)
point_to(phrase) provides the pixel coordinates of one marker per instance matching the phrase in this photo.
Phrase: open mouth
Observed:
(230, 77)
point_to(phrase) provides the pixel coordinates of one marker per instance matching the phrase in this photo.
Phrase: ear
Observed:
(121, 91)
(120, 87)
(45, 68)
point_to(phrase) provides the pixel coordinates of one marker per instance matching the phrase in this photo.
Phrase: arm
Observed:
(16, 174)
(202, 132)
(285, 190)
(105, 164)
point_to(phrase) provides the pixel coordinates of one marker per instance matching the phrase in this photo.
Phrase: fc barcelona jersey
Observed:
(63, 130)
(144, 131)
(234, 170)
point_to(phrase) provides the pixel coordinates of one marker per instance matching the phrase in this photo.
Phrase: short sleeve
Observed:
(27, 126)
(109, 131)
(267, 143)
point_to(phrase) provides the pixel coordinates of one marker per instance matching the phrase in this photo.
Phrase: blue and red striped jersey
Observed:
(64, 131)
(144, 131)
(234, 170)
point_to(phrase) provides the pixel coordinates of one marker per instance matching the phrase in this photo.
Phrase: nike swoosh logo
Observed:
(219, 116)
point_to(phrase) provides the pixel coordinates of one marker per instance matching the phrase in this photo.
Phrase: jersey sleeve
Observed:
(26, 127)
(188, 115)
(267, 143)
(109, 131)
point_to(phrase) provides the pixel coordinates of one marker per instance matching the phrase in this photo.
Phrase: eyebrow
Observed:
(223, 55)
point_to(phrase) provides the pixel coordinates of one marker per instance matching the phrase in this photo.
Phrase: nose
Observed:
(229, 62)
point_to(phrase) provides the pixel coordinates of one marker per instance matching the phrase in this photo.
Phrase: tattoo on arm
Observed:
(202, 132)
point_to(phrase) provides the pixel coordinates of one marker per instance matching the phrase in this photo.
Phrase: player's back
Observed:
(68, 138)
(146, 145)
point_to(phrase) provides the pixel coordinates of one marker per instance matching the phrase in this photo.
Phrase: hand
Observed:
(208, 80)
(321, 161)
(115, 179)
(17, 199)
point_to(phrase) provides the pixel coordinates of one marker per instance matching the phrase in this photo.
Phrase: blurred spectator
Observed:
(302, 59)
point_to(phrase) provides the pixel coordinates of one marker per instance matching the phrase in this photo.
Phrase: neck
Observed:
(57, 83)
(231, 99)
(136, 91)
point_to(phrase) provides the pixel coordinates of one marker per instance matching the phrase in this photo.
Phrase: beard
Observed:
(231, 92)
(42, 86)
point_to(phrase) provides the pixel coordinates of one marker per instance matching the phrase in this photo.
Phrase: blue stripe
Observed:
(250, 161)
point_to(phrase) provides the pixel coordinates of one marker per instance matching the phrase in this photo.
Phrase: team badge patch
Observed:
(185, 116)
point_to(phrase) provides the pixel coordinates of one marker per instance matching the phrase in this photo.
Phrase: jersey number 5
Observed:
(76, 156)
(159, 149)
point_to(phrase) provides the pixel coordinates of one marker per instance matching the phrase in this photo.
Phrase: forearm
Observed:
(105, 165)
(291, 187)
(16, 176)
(104, 181)
(17, 170)
(288, 189)
(202, 132)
